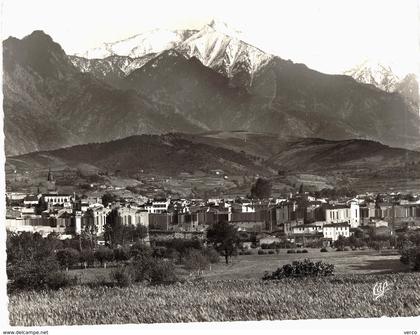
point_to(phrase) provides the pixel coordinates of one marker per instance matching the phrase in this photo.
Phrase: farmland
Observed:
(341, 296)
(231, 292)
(252, 267)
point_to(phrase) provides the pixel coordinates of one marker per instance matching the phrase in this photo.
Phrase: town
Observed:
(297, 219)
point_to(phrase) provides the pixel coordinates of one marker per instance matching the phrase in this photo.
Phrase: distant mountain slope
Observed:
(163, 155)
(385, 79)
(234, 153)
(49, 104)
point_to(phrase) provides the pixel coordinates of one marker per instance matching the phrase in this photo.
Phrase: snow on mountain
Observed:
(374, 73)
(382, 76)
(153, 41)
(216, 45)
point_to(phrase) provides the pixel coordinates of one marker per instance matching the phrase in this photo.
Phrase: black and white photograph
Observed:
(209, 163)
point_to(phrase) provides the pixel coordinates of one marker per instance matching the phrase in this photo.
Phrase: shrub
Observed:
(261, 252)
(29, 274)
(162, 272)
(339, 249)
(306, 268)
(347, 249)
(240, 253)
(277, 251)
(196, 260)
(247, 252)
(298, 251)
(324, 250)
(291, 251)
(304, 251)
(212, 255)
(59, 279)
(271, 252)
(121, 254)
(140, 250)
(410, 255)
(159, 252)
(122, 276)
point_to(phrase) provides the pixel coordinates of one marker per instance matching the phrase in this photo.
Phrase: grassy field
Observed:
(254, 266)
(345, 262)
(341, 296)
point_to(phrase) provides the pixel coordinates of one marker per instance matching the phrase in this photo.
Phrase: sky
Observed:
(330, 36)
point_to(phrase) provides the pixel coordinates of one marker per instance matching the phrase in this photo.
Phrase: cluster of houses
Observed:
(295, 218)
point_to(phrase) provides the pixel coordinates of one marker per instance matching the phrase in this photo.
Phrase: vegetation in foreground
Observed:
(347, 296)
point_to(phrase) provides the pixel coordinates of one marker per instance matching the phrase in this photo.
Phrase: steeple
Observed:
(50, 175)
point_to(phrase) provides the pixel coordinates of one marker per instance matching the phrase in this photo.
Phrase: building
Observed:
(158, 206)
(343, 213)
(53, 199)
(334, 230)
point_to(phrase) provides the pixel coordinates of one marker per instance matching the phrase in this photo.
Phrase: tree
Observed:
(224, 237)
(41, 206)
(261, 189)
(87, 258)
(104, 255)
(67, 257)
(301, 189)
(108, 198)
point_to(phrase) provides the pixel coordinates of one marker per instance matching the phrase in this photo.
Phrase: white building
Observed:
(58, 199)
(334, 230)
(158, 206)
(343, 214)
(307, 229)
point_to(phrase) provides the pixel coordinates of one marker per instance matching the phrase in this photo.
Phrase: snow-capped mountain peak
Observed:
(216, 45)
(224, 28)
(375, 73)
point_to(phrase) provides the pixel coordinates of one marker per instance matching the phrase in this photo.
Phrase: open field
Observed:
(345, 262)
(341, 296)
(254, 266)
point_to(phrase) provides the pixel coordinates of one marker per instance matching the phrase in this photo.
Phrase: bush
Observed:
(122, 276)
(271, 252)
(212, 255)
(59, 279)
(410, 255)
(347, 249)
(163, 272)
(196, 260)
(324, 250)
(298, 251)
(261, 252)
(339, 249)
(247, 252)
(306, 268)
(28, 274)
(121, 254)
(291, 251)
(304, 251)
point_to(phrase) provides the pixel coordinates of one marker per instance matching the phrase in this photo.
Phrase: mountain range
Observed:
(382, 76)
(235, 153)
(186, 81)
